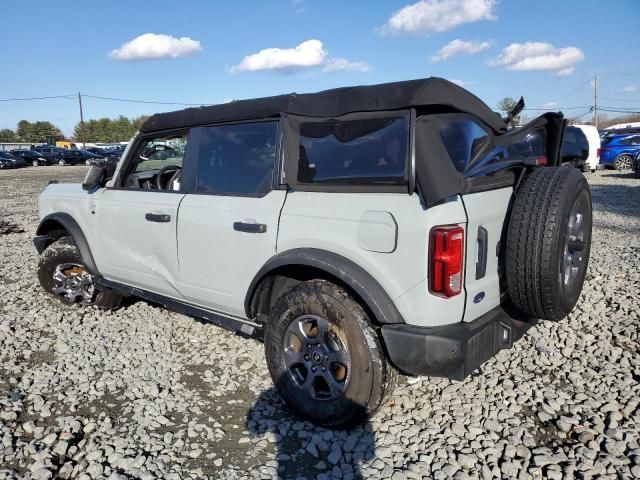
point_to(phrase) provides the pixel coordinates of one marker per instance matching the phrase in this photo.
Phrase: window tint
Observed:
(463, 140)
(235, 159)
(354, 151)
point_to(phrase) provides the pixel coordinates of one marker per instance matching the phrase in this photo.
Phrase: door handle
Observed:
(157, 217)
(481, 263)
(249, 227)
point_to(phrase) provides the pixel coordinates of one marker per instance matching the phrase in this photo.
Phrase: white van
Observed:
(593, 138)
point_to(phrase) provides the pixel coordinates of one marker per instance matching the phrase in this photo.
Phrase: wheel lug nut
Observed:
(324, 369)
(313, 369)
(308, 345)
(306, 357)
(326, 358)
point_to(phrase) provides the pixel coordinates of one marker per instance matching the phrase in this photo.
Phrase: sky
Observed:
(207, 52)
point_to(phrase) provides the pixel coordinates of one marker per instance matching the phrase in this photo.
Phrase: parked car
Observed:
(636, 164)
(575, 148)
(108, 155)
(49, 149)
(582, 134)
(360, 232)
(32, 157)
(617, 151)
(77, 157)
(8, 160)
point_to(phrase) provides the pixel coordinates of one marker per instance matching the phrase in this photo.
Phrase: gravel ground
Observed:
(146, 393)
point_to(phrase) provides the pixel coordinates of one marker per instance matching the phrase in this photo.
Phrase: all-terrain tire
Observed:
(64, 251)
(548, 242)
(371, 379)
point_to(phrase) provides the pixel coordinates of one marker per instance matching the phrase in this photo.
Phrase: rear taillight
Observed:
(598, 152)
(446, 251)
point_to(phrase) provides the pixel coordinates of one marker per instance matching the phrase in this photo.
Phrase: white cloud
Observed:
(459, 47)
(550, 105)
(539, 56)
(342, 64)
(156, 45)
(629, 89)
(438, 16)
(309, 54)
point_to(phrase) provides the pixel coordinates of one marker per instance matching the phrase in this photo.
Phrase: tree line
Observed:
(102, 130)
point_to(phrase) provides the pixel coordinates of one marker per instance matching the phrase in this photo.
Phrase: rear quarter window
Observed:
(366, 151)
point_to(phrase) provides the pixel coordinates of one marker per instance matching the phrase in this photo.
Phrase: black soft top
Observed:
(429, 92)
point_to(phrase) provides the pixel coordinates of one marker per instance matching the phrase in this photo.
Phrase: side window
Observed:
(354, 151)
(157, 163)
(235, 159)
(162, 151)
(464, 140)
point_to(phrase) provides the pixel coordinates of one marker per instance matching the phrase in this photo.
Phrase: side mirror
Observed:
(94, 177)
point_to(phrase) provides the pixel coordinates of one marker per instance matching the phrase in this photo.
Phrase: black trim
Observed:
(354, 276)
(452, 351)
(249, 227)
(245, 328)
(483, 246)
(503, 179)
(48, 225)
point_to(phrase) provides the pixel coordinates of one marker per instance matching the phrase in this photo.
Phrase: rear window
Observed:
(354, 151)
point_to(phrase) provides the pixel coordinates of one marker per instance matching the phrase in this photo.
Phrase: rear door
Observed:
(228, 221)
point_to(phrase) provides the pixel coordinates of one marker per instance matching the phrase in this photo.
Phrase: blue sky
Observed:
(547, 51)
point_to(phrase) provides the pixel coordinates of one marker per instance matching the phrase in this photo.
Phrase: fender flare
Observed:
(51, 223)
(348, 272)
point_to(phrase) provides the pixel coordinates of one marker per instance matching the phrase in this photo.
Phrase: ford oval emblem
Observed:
(478, 298)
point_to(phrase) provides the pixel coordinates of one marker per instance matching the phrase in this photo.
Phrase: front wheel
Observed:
(325, 357)
(622, 162)
(62, 273)
(88, 163)
(61, 162)
(35, 163)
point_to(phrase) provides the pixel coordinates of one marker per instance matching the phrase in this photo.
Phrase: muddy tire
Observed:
(62, 273)
(325, 357)
(548, 242)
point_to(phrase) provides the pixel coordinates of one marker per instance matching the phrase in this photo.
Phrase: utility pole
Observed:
(595, 101)
(81, 121)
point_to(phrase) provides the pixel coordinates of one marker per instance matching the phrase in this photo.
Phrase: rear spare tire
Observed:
(548, 242)
(325, 357)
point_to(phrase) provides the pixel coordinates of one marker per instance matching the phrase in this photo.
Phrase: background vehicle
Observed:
(359, 231)
(617, 151)
(10, 161)
(32, 157)
(593, 139)
(575, 148)
(636, 163)
(49, 149)
(77, 157)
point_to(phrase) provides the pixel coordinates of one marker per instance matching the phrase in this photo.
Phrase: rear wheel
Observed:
(622, 162)
(87, 163)
(62, 273)
(548, 242)
(325, 357)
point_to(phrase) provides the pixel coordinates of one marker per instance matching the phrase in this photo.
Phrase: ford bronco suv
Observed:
(359, 232)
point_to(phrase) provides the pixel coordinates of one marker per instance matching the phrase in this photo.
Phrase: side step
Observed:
(243, 327)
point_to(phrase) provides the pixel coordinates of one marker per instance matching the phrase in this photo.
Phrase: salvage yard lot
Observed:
(142, 392)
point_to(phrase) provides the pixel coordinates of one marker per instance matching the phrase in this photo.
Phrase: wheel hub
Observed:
(573, 255)
(73, 282)
(316, 357)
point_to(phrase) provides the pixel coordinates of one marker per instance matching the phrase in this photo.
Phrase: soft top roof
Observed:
(428, 92)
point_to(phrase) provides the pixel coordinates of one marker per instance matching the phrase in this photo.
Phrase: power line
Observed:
(68, 97)
(129, 100)
(558, 108)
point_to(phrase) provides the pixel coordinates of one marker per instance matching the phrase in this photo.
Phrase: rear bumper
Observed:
(452, 351)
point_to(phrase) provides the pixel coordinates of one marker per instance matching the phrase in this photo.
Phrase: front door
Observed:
(228, 220)
(137, 219)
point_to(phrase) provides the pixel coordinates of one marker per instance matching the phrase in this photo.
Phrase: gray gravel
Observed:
(146, 393)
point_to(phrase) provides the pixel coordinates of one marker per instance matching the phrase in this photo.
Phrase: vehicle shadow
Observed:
(304, 450)
(622, 175)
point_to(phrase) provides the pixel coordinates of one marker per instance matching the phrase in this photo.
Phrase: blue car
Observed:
(618, 151)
